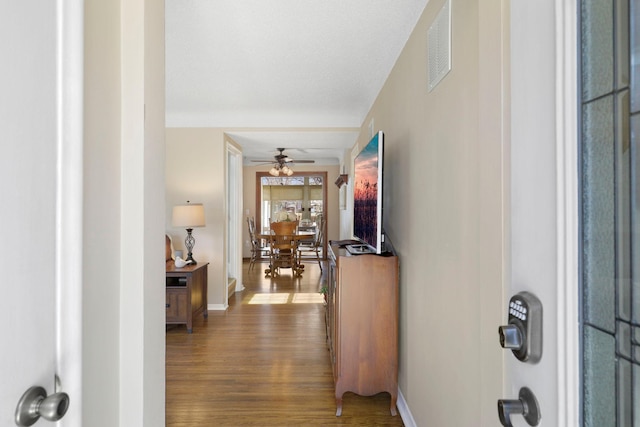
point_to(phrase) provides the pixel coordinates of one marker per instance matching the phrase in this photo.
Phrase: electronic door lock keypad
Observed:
(523, 334)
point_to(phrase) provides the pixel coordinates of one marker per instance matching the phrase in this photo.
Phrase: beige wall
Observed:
(443, 212)
(102, 152)
(150, 121)
(195, 172)
(123, 219)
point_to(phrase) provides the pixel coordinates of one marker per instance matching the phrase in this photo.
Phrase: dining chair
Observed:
(284, 248)
(312, 249)
(258, 250)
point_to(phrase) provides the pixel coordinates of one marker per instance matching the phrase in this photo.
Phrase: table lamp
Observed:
(189, 216)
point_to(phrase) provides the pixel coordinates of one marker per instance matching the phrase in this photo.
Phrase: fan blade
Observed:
(303, 161)
(263, 161)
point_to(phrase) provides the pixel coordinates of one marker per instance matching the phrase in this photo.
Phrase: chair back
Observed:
(283, 245)
(251, 224)
(283, 235)
(284, 227)
(319, 239)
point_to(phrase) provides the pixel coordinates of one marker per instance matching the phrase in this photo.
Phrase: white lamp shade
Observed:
(188, 216)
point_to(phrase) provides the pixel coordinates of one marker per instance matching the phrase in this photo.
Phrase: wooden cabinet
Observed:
(362, 324)
(186, 293)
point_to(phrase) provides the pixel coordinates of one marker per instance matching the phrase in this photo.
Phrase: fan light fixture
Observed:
(277, 169)
(281, 164)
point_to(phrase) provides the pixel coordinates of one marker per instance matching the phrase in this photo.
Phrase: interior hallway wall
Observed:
(443, 200)
(195, 172)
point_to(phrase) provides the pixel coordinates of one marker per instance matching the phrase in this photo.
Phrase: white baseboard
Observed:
(217, 307)
(405, 412)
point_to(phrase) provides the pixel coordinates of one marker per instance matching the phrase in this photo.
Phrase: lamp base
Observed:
(189, 242)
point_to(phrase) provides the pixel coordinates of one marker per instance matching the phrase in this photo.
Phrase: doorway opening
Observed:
(303, 195)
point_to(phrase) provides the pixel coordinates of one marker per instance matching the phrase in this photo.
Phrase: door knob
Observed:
(34, 404)
(526, 405)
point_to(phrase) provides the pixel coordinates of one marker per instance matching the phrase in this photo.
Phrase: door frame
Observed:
(233, 213)
(325, 202)
(69, 203)
(567, 132)
(564, 98)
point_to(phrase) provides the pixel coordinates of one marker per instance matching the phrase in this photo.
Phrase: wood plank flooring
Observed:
(263, 362)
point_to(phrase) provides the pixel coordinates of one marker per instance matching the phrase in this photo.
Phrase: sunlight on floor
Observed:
(287, 298)
(307, 298)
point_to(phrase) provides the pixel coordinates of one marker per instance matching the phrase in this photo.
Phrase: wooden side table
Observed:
(186, 293)
(362, 327)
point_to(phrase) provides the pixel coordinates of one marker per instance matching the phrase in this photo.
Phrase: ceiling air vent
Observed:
(439, 45)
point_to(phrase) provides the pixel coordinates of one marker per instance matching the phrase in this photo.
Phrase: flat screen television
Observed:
(367, 198)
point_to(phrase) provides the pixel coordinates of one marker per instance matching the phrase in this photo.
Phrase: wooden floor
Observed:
(263, 362)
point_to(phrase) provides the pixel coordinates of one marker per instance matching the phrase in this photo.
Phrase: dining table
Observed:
(300, 235)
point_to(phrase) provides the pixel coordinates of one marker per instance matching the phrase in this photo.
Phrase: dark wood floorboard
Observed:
(263, 362)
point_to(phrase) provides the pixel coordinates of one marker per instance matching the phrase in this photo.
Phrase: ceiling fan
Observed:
(281, 163)
(283, 159)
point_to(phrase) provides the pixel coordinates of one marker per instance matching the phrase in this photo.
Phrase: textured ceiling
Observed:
(309, 70)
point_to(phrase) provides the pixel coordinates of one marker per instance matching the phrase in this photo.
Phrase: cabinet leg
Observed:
(393, 405)
(338, 407)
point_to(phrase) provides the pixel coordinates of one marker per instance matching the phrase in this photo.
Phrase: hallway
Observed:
(263, 362)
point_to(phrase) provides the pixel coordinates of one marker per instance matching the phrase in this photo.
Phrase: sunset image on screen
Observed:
(365, 195)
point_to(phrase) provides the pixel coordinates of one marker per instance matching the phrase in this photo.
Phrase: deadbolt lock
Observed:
(523, 333)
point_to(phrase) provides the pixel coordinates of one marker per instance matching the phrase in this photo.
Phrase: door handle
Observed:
(526, 405)
(34, 404)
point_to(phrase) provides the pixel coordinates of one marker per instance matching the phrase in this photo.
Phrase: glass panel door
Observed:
(299, 197)
(610, 285)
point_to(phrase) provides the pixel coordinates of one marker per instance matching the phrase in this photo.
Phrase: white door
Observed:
(542, 205)
(40, 195)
